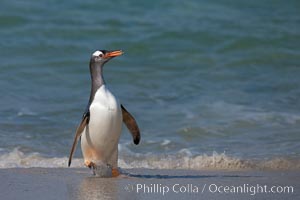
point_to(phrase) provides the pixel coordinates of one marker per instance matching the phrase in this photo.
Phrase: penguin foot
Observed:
(102, 170)
(115, 172)
(90, 164)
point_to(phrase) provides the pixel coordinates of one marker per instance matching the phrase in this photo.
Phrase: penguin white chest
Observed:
(100, 138)
(105, 105)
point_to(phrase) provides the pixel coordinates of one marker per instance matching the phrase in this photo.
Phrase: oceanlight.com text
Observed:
(248, 189)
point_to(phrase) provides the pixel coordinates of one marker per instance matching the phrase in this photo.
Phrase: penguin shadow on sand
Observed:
(183, 176)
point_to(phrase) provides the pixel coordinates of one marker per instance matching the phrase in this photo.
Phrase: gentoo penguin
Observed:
(101, 123)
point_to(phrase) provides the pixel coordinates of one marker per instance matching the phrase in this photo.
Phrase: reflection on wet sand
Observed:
(88, 187)
(98, 188)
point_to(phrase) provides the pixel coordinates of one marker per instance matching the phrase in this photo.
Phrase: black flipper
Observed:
(80, 128)
(131, 124)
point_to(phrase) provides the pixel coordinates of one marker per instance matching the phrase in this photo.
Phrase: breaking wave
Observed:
(18, 159)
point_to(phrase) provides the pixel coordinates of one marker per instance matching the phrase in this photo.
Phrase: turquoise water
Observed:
(205, 80)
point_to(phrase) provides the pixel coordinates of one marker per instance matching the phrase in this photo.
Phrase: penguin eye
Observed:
(101, 55)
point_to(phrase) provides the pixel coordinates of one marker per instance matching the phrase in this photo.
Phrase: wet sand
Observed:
(73, 183)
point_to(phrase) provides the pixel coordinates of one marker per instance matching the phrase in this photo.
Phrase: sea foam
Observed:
(216, 161)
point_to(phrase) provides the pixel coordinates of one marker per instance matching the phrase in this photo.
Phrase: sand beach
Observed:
(79, 183)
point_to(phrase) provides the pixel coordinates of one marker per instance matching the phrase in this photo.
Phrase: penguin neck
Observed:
(96, 79)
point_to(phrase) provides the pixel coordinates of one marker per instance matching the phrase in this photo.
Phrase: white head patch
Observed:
(97, 53)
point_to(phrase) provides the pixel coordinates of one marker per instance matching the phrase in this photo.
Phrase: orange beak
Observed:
(113, 53)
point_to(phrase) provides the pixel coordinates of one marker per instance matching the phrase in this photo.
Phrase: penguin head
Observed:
(102, 56)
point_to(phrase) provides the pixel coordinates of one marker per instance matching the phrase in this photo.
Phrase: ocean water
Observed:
(212, 84)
